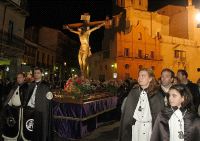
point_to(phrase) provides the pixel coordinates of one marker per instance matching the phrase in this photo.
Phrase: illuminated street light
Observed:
(23, 63)
(7, 69)
(114, 65)
(198, 19)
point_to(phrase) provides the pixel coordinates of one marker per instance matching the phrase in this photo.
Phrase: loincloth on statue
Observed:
(86, 52)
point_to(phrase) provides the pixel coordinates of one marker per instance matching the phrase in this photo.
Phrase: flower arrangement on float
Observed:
(78, 87)
(81, 88)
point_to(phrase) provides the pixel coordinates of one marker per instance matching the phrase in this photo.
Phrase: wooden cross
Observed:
(86, 22)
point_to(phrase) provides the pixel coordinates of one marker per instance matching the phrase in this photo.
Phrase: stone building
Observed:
(139, 38)
(12, 22)
(49, 47)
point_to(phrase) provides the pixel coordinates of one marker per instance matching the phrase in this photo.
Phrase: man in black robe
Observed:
(39, 107)
(11, 116)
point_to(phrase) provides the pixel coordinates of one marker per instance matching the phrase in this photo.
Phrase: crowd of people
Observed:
(26, 110)
(149, 110)
(164, 110)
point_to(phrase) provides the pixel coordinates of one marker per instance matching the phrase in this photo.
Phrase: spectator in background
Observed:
(166, 80)
(123, 91)
(198, 84)
(175, 80)
(143, 104)
(183, 79)
(1, 93)
(8, 86)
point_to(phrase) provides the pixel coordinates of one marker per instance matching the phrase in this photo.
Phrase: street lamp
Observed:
(23, 63)
(7, 69)
(198, 19)
(114, 70)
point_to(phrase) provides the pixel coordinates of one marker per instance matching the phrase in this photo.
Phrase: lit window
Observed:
(10, 30)
(43, 58)
(38, 56)
(140, 67)
(48, 59)
(140, 53)
(106, 54)
(180, 54)
(52, 60)
(106, 67)
(126, 52)
(140, 2)
(127, 75)
(176, 53)
(152, 55)
(139, 36)
(126, 66)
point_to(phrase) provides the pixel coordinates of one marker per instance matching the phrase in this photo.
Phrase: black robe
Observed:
(42, 113)
(10, 114)
(23, 92)
(156, 102)
(195, 93)
(161, 126)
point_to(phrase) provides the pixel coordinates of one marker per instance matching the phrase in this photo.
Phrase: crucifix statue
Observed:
(189, 2)
(84, 31)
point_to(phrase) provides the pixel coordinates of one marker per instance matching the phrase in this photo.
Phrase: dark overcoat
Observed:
(156, 102)
(10, 114)
(42, 112)
(161, 126)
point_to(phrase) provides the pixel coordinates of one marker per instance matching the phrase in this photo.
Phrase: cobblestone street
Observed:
(108, 132)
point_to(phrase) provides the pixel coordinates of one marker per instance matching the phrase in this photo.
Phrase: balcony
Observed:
(11, 45)
(180, 59)
(147, 57)
(18, 5)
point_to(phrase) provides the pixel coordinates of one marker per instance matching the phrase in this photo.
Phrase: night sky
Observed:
(55, 13)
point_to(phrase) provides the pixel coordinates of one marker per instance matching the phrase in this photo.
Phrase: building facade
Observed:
(12, 22)
(49, 47)
(139, 38)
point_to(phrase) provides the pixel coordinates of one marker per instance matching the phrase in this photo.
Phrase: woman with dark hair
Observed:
(143, 104)
(178, 121)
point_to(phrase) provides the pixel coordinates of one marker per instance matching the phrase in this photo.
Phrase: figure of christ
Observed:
(84, 51)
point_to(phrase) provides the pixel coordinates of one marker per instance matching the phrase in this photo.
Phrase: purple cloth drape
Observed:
(77, 120)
